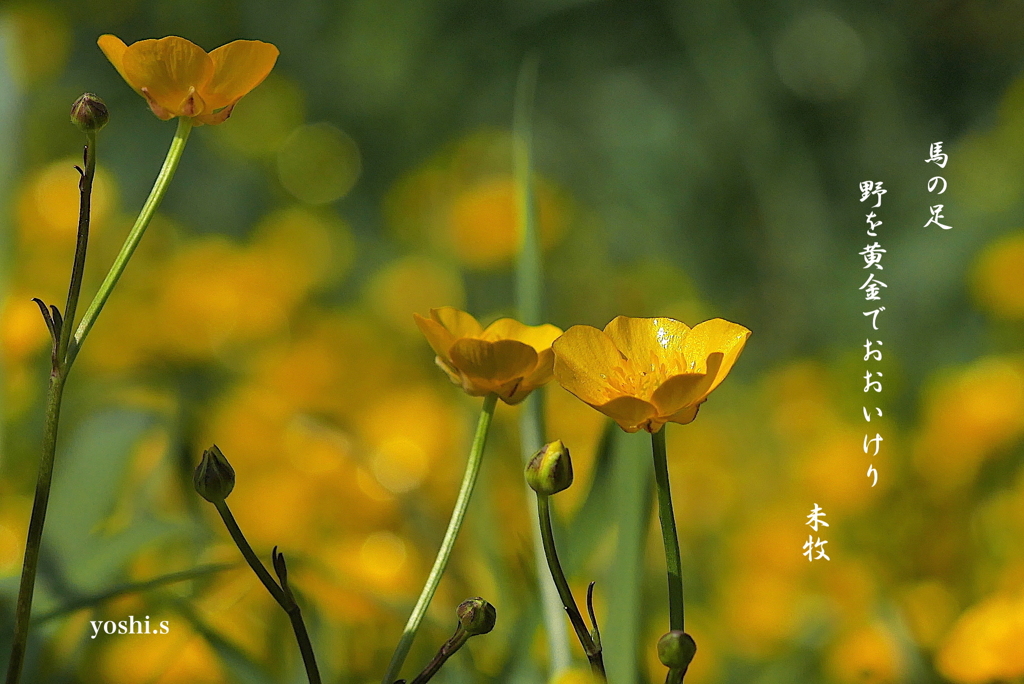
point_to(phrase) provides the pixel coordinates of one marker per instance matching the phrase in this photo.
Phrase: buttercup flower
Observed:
(178, 78)
(508, 358)
(645, 372)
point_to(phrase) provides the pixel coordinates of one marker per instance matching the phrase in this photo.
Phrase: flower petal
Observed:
(437, 335)
(629, 412)
(239, 67)
(685, 416)
(636, 338)
(114, 48)
(172, 70)
(542, 373)
(458, 323)
(584, 357)
(687, 389)
(716, 335)
(539, 337)
(492, 364)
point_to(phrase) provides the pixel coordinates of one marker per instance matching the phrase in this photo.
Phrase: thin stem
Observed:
(564, 592)
(78, 268)
(281, 594)
(156, 195)
(93, 600)
(23, 611)
(55, 392)
(446, 651)
(530, 304)
(444, 553)
(250, 556)
(668, 532)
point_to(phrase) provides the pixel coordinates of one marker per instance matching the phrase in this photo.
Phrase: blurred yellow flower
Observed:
(178, 78)
(645, 372)
(998, 278)
(508, 358)
(867, 655)
(985, 643)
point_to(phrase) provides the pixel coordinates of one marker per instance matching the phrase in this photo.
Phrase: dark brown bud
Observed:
(89, 113)
(214, 477)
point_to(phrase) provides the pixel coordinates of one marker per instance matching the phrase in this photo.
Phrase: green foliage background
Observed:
(695, 160)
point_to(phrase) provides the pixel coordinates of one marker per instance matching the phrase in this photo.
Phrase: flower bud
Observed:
(550, 469)
(214, 477)
(676, 649)
(476, 616)
(89, 113)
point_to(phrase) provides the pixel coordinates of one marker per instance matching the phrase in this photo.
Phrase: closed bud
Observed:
(214, 477)
(476, 616)
(676, 649)
(89, 113)
(550, 469)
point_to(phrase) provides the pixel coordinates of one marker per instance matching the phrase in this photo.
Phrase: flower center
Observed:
(638, 379)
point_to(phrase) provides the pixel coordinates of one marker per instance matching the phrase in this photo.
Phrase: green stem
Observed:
(444, 553)
(23, 611)
(530, 305)
(98, 599)
(592, 650)
(55, 392)
(668, 531)
(281, 594)
(250, 556)
(156, 195)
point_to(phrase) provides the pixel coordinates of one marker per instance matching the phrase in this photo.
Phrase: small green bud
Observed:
(89, 113)
(476, 616)
(676, 649)
(550, 469)
(214, 477)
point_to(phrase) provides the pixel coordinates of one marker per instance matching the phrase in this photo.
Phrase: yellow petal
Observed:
(172, 70)
(630, 413)
(538, 377)
(492, 364)
(437, 335)
(539, 337)
(716, 335)
(239, 67)
(685, 415)
(636, 338)
(584, 358)
(113, 47)
(688, 389)
(458, 323)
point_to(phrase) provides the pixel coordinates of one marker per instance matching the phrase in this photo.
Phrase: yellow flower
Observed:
(645, 372)
(508, 358)
(178, 78)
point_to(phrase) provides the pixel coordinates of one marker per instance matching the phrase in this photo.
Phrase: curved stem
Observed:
(592, 650)
(156, 195)
(446, 651)
(250, 556)
(444, 553)
(668, 531)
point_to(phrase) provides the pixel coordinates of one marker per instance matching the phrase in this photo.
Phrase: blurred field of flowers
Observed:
(694, 160)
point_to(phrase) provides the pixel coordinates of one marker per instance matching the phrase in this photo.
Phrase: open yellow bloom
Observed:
(178, 78)
(508, 358)
(645, 372)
